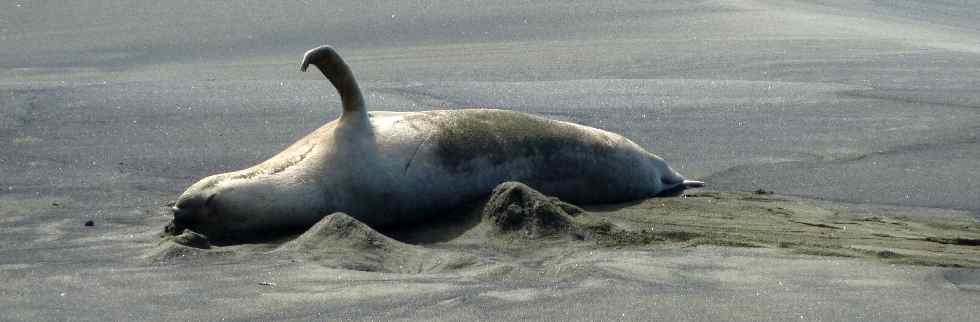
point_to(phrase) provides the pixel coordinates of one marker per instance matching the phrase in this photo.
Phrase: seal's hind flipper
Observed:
(689, 184)
(678, 188)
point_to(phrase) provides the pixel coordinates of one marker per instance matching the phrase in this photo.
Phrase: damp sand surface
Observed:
(703, 255)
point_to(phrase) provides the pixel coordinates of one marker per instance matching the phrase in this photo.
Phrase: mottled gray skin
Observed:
(388, 168)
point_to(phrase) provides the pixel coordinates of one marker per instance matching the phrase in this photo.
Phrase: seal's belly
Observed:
(438, 160)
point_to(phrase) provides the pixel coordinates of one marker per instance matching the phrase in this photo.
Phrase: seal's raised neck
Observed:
(339, 74)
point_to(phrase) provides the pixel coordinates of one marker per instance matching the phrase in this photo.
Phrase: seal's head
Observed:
(236, 203)
(280, 193)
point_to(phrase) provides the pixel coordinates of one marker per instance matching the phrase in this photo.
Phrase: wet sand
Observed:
(860, 117)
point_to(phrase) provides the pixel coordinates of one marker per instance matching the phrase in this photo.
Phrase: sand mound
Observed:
(187, 245)
(516, 208)
(341, 241)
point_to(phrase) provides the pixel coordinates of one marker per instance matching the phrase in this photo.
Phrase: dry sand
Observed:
(861, 115)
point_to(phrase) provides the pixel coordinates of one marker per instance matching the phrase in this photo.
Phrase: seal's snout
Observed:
(183, 215)
(191, 209)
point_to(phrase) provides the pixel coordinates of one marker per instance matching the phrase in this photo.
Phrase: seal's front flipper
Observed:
(328, 61)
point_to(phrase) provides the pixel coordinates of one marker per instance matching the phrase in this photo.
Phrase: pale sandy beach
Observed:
(860, 118)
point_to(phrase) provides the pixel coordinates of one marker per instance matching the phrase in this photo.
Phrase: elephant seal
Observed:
(387, 168)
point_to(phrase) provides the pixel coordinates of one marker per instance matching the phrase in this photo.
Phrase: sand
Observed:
(517, 220)
(701, 256)
(861, 117)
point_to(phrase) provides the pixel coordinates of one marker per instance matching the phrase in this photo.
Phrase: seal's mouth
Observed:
(188, 217)
(195, 216)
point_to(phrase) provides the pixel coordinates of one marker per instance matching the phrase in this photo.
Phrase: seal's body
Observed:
(387, 168)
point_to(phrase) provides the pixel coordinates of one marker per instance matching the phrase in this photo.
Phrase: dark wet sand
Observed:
(858, 116)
